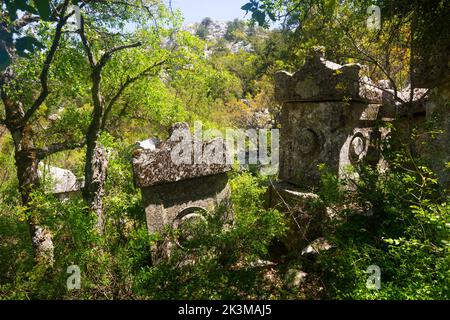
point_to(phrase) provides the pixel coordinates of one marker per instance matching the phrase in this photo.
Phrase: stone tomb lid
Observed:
(322, 80)
(181, 157)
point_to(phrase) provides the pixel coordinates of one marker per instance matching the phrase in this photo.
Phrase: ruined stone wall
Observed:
(425, 126)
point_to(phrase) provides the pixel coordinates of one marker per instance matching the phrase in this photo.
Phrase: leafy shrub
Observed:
(118, 265)
(222, 255)
(406, 233)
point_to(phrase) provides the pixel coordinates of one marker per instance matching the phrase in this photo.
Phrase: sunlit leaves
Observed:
(12, 39)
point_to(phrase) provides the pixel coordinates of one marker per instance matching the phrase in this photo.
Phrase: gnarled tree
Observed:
(20, 114)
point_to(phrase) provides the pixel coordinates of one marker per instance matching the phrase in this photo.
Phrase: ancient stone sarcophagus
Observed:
(328, 117)
(181, 179)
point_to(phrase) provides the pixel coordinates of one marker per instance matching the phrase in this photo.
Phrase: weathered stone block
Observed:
(177, 187)
(63, 183)
(164, 202)
(327, 118)
(314, 133)
(181, 157)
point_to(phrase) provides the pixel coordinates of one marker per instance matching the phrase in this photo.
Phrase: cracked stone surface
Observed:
(323, 80)
(328, 117)
(179, 158)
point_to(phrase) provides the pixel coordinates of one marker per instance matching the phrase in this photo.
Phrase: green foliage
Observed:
(196, 77)
(236, 30)
(331, 190)
(261, 12)
(219, 267)
(119, 265)
(406, 233)
(10, 38)
(341, 27)
(202, 30)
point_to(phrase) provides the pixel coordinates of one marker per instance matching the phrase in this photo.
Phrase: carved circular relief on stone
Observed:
(307, 141)
(357, 148)
(188, 226)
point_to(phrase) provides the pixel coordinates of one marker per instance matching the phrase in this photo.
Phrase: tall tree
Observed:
(20, 116)
(26, 111)
(99, 55)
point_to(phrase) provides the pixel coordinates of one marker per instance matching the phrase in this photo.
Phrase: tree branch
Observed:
(375, 62)
(108, 54)
(86, 46)
(45, 70)
(59, 147)
(29, 18)
(127, 83)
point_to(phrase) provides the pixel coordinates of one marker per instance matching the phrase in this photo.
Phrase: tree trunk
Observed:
(96, 156)
(27, 161)
(27, 157)
(95, 178)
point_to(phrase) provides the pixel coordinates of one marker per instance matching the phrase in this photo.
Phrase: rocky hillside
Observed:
(232, 35)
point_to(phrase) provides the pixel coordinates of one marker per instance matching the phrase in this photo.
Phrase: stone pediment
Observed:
(322, 80)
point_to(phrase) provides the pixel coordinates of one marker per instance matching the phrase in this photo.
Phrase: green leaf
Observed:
(11, 8)
(247, 7)
(5, 36)
(4, 59)
(24, 6)
(27, 44)
(259, 17)
(43, 6)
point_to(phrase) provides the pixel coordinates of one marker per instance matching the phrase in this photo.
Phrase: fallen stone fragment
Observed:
(318, 245)
(294, 278)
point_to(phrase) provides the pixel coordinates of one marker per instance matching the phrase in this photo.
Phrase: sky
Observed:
(220, 10)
